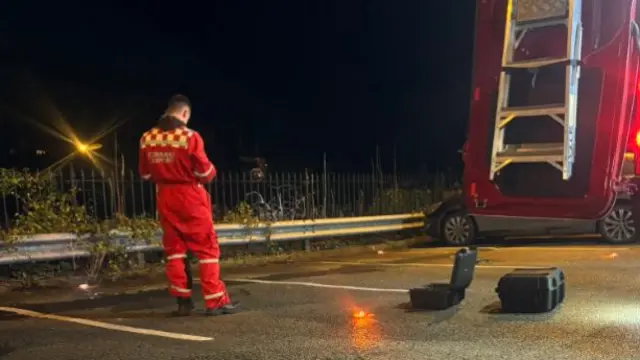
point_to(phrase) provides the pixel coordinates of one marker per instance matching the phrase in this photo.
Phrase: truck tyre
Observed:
(618, 227)
(458, 229)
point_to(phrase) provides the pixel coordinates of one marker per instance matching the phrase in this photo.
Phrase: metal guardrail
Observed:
(48, 247)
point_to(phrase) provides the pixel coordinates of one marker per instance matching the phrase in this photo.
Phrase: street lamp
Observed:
(83, 148)
(87, 148)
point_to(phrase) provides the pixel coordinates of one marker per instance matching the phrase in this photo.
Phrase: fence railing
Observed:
(272, 197)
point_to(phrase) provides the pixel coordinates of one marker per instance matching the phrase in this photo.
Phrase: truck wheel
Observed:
(618, 227)
(458, 229)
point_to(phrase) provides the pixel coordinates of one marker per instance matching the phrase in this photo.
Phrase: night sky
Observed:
(285, 80)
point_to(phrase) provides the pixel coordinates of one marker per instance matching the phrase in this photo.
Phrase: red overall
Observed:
(176, 161)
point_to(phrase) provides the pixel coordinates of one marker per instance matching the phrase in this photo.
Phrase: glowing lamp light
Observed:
(83, 148)
(87, 148)
(638, 139)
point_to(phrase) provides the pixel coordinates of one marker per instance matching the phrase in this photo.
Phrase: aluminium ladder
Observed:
(523, 16)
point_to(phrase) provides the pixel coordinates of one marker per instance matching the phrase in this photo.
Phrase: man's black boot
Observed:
(227, 309)
(185, 306)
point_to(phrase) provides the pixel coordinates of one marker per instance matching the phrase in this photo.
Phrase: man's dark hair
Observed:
(177, 102)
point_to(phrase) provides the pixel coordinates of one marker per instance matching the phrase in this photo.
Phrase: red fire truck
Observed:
(552, 143)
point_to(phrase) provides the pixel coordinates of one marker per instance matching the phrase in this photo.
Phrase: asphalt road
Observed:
(290, 313)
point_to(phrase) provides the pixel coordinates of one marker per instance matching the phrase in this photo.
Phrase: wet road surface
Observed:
(304, 310)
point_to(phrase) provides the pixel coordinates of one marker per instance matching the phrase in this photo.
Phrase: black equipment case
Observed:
(444, 296)
(531, 290)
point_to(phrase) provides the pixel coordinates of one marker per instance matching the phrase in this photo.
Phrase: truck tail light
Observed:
(634, 158)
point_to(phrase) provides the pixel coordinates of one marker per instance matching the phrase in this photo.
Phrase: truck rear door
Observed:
(551, 107)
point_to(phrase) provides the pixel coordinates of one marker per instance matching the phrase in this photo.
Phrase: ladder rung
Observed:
(541, 10)
(532, 153)
(538, 110)
(530, 25)
(536, 63)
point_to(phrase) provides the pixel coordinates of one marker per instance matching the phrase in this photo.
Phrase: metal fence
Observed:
(271, 197)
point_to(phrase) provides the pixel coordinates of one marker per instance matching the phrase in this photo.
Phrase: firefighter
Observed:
(173, 157)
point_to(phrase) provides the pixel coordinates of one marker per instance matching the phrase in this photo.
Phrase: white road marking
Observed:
(104, 325)
(311, 284)
(431, 265)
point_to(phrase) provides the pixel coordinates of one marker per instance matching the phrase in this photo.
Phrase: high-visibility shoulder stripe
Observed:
(204, 174)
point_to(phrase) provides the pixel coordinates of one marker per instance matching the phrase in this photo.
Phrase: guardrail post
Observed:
(140, 257)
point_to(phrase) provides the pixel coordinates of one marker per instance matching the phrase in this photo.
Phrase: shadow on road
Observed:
(6, 350)
(119, 303)
(437, 316)
(495, 311)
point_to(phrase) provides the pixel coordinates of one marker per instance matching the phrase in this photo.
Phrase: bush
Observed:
(396, 201)
(242, 214)
(44, 209)
(400, 201)
(41, 209)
